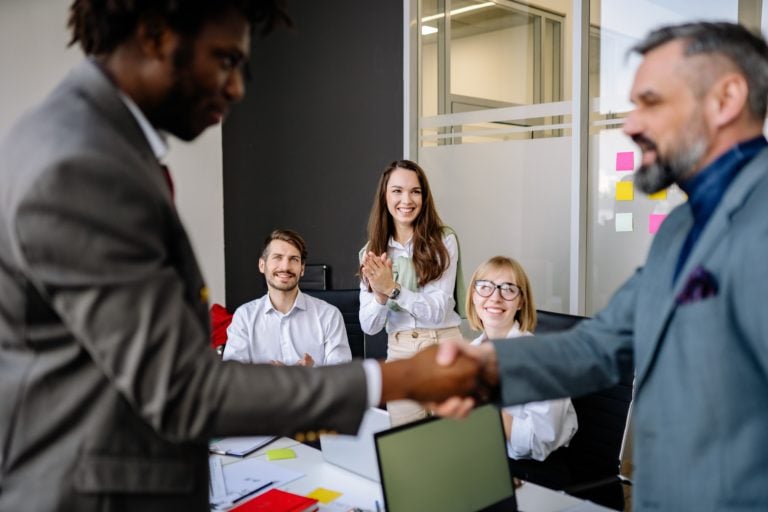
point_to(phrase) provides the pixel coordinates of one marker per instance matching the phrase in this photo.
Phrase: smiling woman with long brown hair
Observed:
(408, 272)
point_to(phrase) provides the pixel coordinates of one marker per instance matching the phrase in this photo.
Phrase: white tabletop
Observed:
(362, 493)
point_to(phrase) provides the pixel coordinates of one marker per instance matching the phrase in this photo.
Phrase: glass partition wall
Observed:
(516, 111)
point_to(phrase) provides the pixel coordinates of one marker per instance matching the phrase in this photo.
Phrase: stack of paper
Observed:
(233, 483)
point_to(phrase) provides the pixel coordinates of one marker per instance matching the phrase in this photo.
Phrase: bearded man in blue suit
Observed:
(691, 323)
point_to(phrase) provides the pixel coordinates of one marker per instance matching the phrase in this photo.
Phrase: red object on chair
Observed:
(220, 320)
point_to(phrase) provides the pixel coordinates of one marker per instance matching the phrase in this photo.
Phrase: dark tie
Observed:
(168, 179)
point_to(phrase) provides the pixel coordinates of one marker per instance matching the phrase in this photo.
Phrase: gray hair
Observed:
(747, 51)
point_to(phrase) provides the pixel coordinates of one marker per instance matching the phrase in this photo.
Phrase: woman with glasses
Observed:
(501, 305)
(408, 272)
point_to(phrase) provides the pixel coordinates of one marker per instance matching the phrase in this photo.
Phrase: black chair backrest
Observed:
(596, 446)
(589, 466)
(376, 345)
(316, 277)
(348, 302)
(555, 322)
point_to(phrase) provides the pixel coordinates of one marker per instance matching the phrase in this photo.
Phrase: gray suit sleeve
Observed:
(99, 243)
(594, 355)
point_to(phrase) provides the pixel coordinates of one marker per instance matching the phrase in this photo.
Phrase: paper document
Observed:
(239, 446)
(246, 476)
(218, 489)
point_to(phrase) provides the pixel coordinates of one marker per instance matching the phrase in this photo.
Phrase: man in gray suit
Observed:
(109, 391)
(692, 322)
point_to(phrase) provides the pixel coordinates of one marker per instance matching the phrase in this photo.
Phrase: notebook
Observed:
(357, 453)
(275, 500)
(447, 465)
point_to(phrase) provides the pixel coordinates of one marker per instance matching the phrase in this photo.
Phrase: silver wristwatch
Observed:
(395, 293)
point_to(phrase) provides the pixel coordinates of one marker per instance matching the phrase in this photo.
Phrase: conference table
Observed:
(361, 494)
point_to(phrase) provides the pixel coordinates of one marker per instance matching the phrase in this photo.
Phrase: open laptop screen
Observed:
(447, 465)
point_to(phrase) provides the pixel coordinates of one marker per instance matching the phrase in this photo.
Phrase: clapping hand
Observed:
(377, 273)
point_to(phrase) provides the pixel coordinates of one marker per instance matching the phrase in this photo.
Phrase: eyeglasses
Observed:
(485, 288)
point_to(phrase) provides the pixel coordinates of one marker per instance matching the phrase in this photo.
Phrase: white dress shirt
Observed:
(259, 333)
(429, 307)
(538, 428)
(156, 139)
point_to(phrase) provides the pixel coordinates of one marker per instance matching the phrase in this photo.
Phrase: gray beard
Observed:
(650, 179)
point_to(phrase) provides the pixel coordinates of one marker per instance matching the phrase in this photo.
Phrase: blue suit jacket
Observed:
(700, 361)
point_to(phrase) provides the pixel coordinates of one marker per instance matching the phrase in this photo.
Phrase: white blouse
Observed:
(538, 428)
(430, 306)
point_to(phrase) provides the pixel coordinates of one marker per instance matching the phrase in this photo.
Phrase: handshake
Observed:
(451, 377)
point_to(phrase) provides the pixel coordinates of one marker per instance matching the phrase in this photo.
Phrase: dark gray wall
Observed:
(322, 117)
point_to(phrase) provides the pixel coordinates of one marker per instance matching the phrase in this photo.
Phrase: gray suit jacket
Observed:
(108, 388)
(701, 381)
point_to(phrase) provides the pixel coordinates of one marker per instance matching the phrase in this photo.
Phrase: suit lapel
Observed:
(101, 92)
(655, 302)
(662, 267)
(91, 82)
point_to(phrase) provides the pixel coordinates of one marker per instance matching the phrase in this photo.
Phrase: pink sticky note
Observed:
(625, 161)
(654, 222)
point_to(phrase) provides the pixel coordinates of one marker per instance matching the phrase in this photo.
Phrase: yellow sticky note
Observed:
(324, 496)
(659, 196)
(280, 454)
(625, 191)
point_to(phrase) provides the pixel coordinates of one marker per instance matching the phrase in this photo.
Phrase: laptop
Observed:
(357, 453)
(447, 465)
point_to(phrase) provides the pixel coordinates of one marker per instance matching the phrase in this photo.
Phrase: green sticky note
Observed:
(280, 454)
(324, 496)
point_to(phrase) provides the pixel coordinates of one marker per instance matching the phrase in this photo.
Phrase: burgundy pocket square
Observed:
(701, 285)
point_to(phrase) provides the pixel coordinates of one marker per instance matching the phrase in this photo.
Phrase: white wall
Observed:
(34, 57)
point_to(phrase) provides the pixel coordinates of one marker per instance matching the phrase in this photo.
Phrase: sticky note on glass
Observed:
(654, 222)
(625, 191)
(281, 454)
(324, 496)
(659, 196)
(625, 161)
(623, 222)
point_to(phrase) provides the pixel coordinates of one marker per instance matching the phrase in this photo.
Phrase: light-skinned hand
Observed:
(485, 355)
(377, 270)
(422, 379)
(306, 361)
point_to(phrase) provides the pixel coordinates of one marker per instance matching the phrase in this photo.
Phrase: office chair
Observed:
(376, 345)
(348, 302)
(316, 277)
(589, 467)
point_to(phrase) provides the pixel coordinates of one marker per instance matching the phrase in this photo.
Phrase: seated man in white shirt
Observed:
(286, 326)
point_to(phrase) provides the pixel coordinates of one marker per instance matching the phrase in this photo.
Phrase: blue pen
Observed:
(378, 509)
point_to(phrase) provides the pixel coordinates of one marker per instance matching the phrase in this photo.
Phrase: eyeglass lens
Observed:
(508, 291)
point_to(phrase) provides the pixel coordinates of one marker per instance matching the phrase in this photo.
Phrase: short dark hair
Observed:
(747, 51)
(101, 25)
(286, 235)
